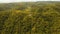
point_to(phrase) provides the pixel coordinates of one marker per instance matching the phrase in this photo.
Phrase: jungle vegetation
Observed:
(30, 18)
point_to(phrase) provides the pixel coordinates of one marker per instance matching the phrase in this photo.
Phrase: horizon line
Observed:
(29, 1)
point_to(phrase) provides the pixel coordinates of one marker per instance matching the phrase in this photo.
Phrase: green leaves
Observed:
(40, 19)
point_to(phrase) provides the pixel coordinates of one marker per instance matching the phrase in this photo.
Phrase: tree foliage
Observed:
(30, 18)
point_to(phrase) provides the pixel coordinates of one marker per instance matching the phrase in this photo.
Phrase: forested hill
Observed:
(30, 18)
(22, 5)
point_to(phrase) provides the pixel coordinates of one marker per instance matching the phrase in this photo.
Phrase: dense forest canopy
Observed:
(30, 18)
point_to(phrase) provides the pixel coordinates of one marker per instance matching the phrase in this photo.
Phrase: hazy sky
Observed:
(9, 1)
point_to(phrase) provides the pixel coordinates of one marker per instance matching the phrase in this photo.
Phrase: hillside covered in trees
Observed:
(30, 18)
